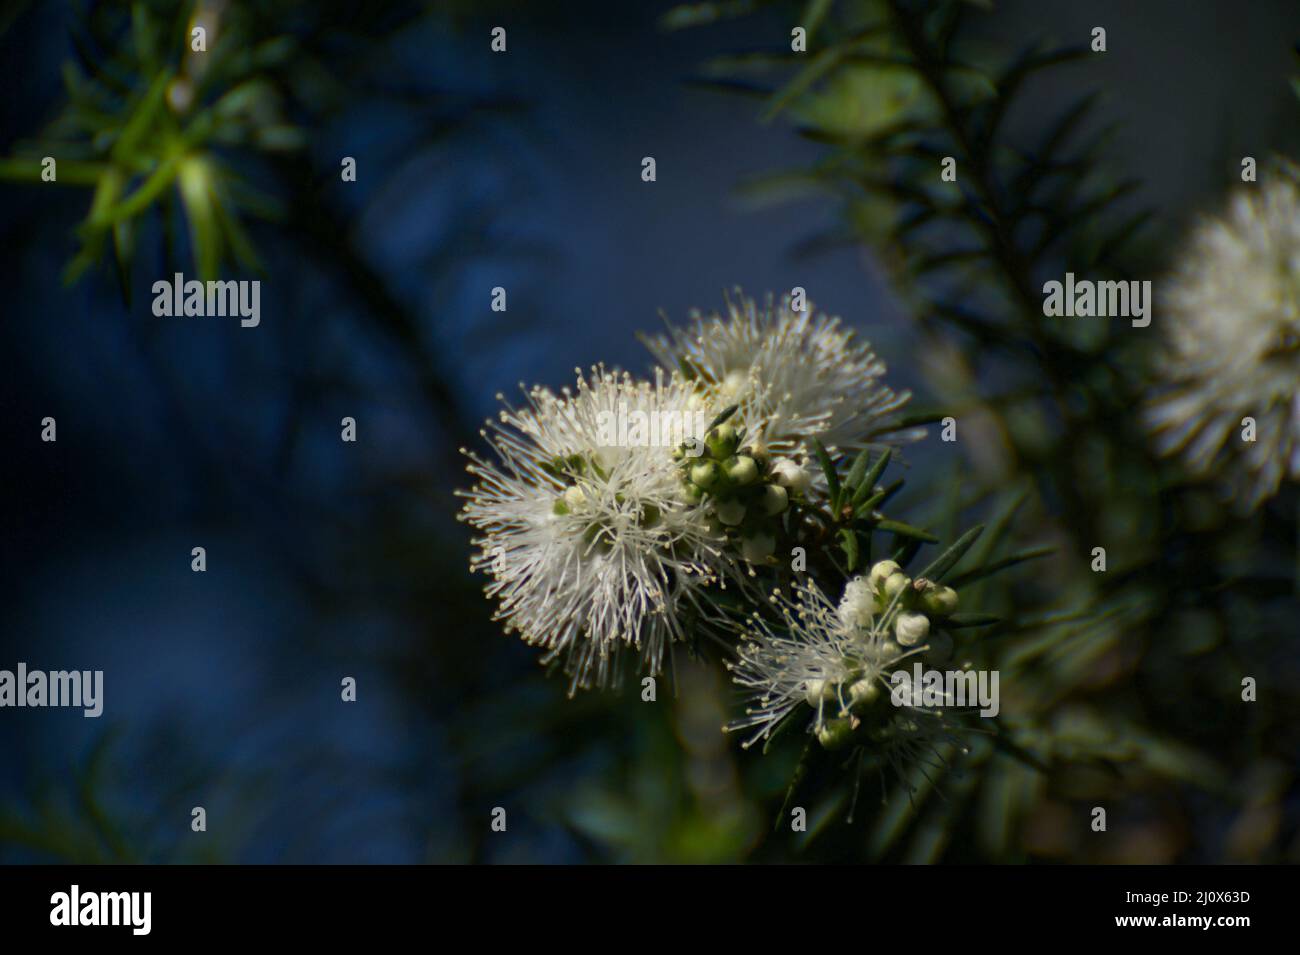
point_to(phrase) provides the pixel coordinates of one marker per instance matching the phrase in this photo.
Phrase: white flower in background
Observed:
(834, 658)
(593, 548)
(795, 375)
(1231, 317)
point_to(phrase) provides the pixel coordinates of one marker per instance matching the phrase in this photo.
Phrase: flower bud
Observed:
(790, 475)
(775, 499)
(574, 497)
(722, 441)
(705, 474)
(836, 733)
(939, 600)
(742, 470)
(894, 585)
(881, 572)
(911, 628)
(818, 691)
(731, 512)
(864, 692)
(757, 548)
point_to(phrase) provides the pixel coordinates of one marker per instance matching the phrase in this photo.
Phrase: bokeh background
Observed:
(328, 560)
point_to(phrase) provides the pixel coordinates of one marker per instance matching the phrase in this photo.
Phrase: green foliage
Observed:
(1058, 461)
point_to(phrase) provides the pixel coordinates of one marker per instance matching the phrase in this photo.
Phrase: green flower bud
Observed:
(836, 733)
(731, 512)
(939, 600)
(742, 469)
(882, 571)
(911, 628)
(864, 692)
(894, 585)
(722, 441)
(705, 474)
(775, 499)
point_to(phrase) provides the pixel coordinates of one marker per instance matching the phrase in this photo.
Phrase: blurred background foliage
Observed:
(1119, 689)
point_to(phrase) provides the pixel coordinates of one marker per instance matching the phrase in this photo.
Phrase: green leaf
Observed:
(957, 621)
(891, 490)
(721, 418)
(686, 15)
(849, 541)
(141, 124)
(864, 509)
(813, 14)
(945, 561)
(868, 484)
(906, 530)
(821, 65)
(1032, 553)
(800, 771)
(782, 725)
(1003, 742)
(859, 468)
(832, 479)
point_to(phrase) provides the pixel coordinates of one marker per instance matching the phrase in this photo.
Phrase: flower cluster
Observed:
(597, 545)
(836, 658)
(1232, 346)
(794, 376)
(744, 488)
(592, 547)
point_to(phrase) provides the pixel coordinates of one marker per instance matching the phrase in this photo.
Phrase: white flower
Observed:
(592, 548)
(1231, 317)
(858, 605)
(795, 375)
(815, 654)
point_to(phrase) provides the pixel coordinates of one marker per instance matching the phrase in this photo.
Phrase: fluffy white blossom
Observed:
(828, 656)
(1231, 317)
(795, 375)
(591, 545)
